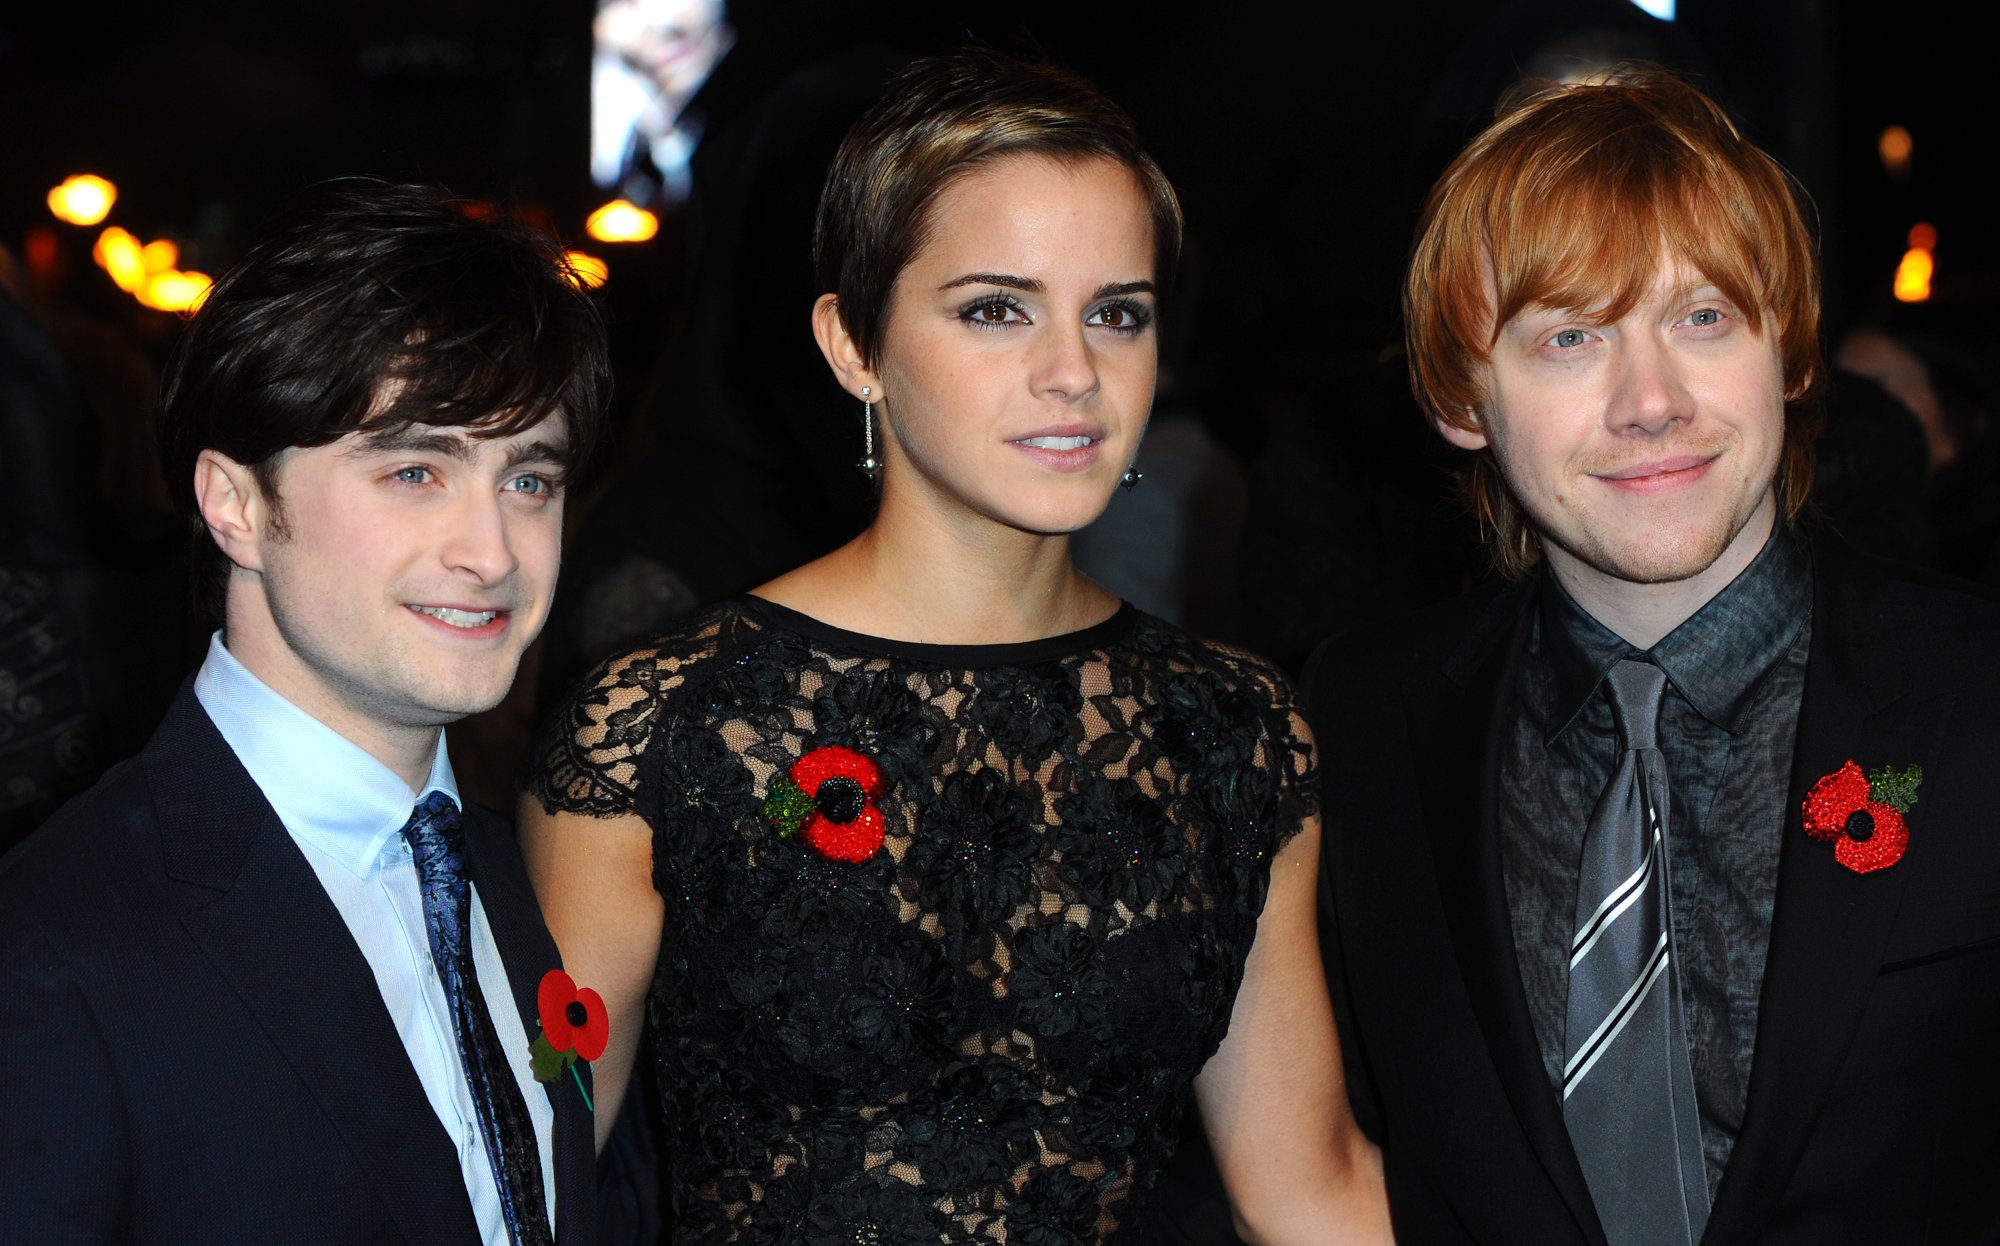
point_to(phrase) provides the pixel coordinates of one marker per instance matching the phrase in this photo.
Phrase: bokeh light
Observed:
(1895, 147)
(175, 291)
(586, 271)
(619, 221)
(83, 199)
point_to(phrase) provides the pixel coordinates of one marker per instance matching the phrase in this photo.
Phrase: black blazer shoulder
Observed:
(211, 1058)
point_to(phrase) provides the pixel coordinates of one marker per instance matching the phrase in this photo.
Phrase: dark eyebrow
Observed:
(416, 439)
(1124, 287)
(1030, 285)
(536, 451)
(1026, 284)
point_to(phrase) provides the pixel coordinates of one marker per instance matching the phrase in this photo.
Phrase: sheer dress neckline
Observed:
(838, 640)
(985, 1031)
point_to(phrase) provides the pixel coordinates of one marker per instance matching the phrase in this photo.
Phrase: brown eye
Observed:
(1115, 317)
(993, 313)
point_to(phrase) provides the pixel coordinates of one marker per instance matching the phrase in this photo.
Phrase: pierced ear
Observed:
(842, 353)
(1462, 437)
(232, 507)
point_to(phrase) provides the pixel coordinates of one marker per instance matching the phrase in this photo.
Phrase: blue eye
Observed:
(532, 485)
(1569, 338)
(1706, 316)
(413, 475)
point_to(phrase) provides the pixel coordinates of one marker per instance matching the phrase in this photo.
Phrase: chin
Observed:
(1663, 558)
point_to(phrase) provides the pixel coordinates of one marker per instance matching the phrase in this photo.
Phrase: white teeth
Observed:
(458, 618)
(1056, 443)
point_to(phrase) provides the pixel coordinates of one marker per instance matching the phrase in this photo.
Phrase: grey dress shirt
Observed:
(1735, 671)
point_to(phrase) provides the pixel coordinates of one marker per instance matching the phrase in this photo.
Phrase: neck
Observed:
(922, 578)
(1643, 614)
(406, 750)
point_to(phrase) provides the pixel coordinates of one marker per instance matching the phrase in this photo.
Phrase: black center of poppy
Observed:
(1860, 826)
(840, 799)
(575, 1013)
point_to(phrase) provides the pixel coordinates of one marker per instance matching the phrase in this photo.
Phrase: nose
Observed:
(1650, 395)
(477, 541)
(1066, 369)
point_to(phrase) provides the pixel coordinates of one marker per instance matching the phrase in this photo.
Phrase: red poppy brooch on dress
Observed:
(829, 796)
(574, 1027)
(1863, 814)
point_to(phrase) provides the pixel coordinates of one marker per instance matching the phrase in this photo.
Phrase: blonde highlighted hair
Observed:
(942, 118)
(1568, 200)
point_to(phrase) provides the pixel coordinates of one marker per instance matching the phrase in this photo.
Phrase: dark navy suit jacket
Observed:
(193, 1049)
(1874, 1102)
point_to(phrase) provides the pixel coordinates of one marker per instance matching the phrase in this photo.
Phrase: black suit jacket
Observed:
(1874, 1102)
(195, 1048)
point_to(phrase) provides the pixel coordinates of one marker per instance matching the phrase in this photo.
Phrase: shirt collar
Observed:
(327, 790)
(1714, 659)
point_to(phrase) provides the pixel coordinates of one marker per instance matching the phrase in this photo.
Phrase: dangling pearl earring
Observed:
(870, 466)
(1131, 478)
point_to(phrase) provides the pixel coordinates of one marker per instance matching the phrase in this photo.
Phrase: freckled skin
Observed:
(1643, 450)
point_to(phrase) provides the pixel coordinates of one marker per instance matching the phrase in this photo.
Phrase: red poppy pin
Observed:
(574, 1027)
(829, 796)
(1863, 814)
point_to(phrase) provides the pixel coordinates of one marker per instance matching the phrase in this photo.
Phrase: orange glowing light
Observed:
(586, 271)
(117, 252)
(1913, 276)
(619, 221)
(1895, 147)
(159, 256)
(83, 199)
(1923, 236)
(174, 291)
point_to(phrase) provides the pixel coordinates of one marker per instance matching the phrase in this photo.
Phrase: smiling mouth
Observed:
(1056, 443)
(458, 618)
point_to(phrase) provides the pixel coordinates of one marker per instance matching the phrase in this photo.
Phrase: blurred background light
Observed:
(1895, 147)
(619, 221)
(586, 270)
(117, 253)
(1913, 275)
(83, 199)
(173, 291)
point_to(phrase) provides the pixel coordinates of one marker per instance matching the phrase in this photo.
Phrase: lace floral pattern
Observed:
(986, 1031)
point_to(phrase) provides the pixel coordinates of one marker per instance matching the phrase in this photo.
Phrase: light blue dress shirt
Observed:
(346, 812)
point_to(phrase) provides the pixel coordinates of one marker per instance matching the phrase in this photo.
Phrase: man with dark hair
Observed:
(1659, 884)
(268, 980)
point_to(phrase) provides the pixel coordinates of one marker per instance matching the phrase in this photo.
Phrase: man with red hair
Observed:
(1660, 886)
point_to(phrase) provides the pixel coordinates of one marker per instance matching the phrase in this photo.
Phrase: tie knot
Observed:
(1635, 688)
(436, 838)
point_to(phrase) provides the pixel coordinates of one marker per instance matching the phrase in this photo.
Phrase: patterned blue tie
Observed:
(1628, 1093)
(437, 841)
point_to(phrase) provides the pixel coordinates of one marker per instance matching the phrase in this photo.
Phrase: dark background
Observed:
(1300, 135)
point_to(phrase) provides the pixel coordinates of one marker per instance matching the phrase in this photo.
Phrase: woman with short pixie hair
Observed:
(942, 876)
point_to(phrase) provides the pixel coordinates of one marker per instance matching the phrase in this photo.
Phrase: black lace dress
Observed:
(949, 930)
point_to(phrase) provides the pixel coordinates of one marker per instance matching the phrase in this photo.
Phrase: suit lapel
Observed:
(528, 952)
(1460, 715)
(1830, 924)
(276, 938)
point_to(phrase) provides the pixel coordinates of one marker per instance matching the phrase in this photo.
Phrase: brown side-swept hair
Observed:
(379, 305)
(943, 117)
(1567, 200)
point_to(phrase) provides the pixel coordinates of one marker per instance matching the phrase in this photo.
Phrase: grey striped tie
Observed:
(1628, 1092)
